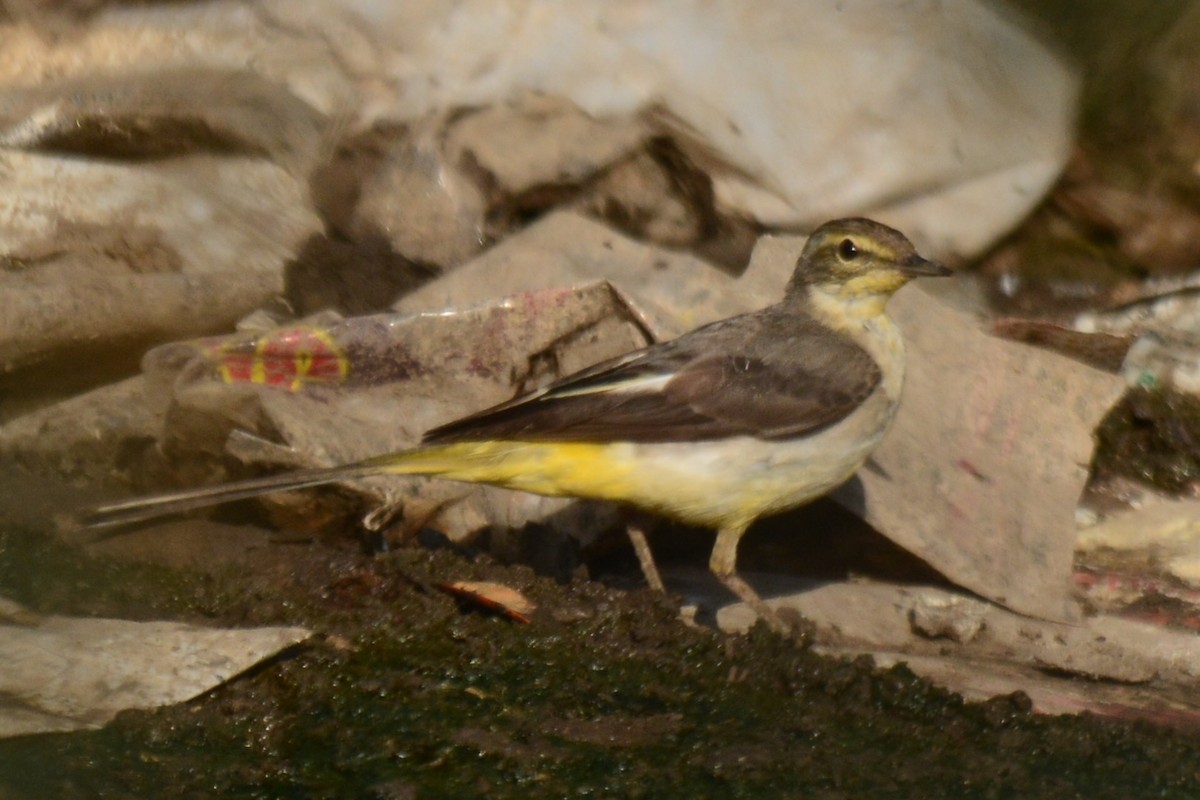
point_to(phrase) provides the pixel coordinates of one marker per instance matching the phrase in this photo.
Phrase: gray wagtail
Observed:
(748, 416)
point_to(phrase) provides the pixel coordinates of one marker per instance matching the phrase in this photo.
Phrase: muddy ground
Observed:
(405, 692)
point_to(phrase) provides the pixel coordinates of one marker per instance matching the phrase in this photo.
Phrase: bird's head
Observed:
(857, 265)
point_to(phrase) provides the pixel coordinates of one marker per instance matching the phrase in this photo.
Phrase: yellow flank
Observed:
(580, 469)
(721, 483)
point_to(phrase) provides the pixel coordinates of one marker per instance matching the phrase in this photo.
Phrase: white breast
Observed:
(737, 480)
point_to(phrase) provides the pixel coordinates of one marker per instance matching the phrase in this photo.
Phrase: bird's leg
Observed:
(723, 564)
(635, 528)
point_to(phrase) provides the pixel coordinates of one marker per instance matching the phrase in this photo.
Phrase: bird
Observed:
(738, 419)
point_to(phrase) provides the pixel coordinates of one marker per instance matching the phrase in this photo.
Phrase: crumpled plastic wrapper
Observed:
(329, 391)
(114, 431)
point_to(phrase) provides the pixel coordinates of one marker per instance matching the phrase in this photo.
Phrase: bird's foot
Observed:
(745, 592)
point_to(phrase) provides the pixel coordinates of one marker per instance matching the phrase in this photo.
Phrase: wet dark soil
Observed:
(405, 692)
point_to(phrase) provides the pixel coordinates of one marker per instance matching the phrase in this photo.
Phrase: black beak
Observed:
(919, 267)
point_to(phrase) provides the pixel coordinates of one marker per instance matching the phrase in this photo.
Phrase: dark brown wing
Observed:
(774, 374)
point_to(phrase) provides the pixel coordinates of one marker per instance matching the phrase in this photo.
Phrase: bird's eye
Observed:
(848, 250)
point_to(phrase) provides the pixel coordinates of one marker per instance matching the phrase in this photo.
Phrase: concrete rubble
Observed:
(64, 673)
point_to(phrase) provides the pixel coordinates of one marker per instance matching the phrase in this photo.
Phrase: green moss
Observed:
(605, 695)
(40, 572)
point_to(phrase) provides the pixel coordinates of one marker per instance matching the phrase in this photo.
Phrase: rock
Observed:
(63, 673)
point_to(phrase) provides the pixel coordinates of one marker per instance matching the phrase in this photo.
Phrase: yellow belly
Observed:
(716, 483)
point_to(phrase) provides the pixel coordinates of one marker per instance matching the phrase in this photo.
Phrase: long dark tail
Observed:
(161, 505)
(448, 459)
